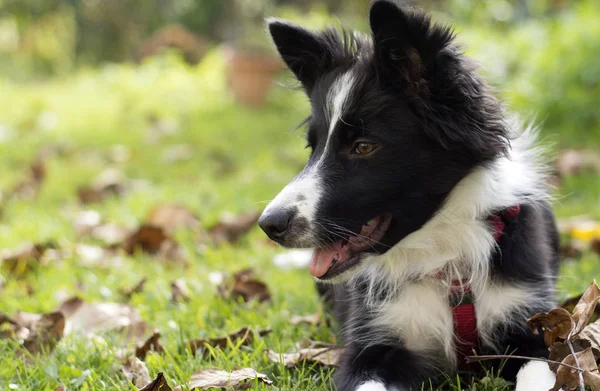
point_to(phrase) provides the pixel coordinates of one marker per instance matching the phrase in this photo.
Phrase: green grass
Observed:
(96, 111)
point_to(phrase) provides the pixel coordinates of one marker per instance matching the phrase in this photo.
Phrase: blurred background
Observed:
(118, 115)
(543, 53)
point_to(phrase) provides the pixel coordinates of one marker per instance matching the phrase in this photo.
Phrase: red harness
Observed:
(462, 301)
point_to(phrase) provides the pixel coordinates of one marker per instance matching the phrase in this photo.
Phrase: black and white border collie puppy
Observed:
(406, 198)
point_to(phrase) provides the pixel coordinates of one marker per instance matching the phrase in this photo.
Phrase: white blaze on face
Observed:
(304, 192)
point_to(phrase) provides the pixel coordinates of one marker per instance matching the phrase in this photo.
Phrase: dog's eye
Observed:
(364, 148)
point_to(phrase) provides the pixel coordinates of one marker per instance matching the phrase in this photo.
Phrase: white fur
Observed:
(305, 191)
(374, 386)
(421, 316)
(339, 93)
(535, 376)
(456, 244)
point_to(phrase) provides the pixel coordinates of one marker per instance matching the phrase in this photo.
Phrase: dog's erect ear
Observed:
(304, 52)
(407, 43)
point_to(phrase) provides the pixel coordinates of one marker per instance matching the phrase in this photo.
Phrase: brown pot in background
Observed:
(249, 75)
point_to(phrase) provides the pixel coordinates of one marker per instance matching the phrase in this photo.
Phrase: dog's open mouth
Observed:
(338, 257)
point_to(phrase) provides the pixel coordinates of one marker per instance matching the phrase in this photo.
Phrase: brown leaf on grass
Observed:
(96, 318)
(154, 240)
(560, 350)
(584, 310)
(151, 344)
(110, 182)
(158, 384)
(309, 352)
(70, 306)
(136, 372)
(39, 332)
(172, 217)
(230, 229)
(179, 291)
(570, 303)
(567, 378)
(137, 288)
(569, 162)
(591, 334)
(573, 162)
(595, 245)
(240, 379)
(556, 324)
(29, 187)
(242, 337)
(21, 260)
(244, 285)
(315, 319)
(61, 387)
(572, 249)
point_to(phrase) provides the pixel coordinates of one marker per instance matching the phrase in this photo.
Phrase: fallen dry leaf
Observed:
(567, 379)
(573, 162)
(21, 260)
(70, 306)
(230, 229)
(595, 245)
(314, 320)
(246, 286)
(572, 249)
(584, 310)
(136, 372)
(179, 291)
(239, 379)
(158, 384)
(172, 217)
(591, 335)
(570, 303)
(309, 352)
(154, 240)
(244, 336)
(96, 318)
(151, 344)
(556, 324)
(29, 187)
(137, 288)
(110, 182)
(569, 162)
(39, 332)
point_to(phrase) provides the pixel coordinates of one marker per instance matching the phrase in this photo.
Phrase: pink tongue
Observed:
(322, 258)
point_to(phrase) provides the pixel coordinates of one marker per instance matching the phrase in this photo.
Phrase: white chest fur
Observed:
(422, 317)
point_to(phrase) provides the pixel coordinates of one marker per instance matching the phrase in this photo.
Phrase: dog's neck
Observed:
(457, 241)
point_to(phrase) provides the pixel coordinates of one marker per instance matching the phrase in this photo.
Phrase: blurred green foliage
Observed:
(545, 54)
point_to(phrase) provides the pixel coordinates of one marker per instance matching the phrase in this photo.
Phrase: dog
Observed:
(425, 202)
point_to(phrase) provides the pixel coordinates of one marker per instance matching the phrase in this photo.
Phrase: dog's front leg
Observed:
(379, 368)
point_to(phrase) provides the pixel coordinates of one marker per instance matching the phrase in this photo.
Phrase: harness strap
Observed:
(462, 300)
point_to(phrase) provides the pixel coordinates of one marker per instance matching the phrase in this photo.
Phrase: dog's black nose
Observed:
(275, 223)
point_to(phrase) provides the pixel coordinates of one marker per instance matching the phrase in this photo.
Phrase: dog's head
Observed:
(398, 119)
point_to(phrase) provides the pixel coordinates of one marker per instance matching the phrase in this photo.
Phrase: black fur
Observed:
(418, 98)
